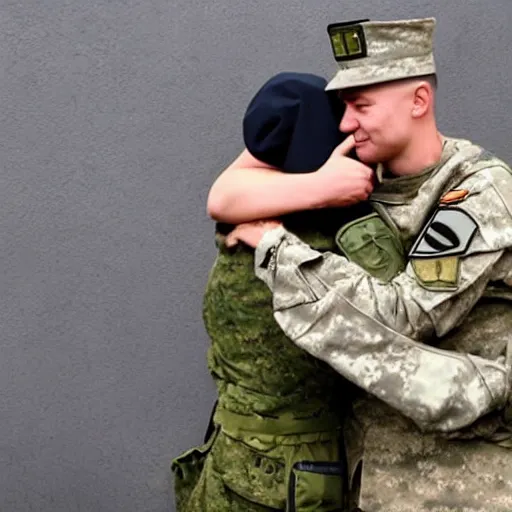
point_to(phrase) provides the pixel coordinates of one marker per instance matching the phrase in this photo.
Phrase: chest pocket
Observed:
(371, 243)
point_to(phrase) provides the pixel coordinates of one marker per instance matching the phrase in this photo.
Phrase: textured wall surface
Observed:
(115, 117)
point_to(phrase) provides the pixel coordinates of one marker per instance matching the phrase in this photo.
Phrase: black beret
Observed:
(292, 123)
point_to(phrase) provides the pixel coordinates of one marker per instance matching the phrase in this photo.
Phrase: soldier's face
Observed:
(380, 119)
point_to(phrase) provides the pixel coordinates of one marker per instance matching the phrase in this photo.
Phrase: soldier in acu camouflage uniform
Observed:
(429, 272)
(277, 439)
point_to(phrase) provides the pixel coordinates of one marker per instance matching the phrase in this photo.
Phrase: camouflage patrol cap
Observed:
(373, 52)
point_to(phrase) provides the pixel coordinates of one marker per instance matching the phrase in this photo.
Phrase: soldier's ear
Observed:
(422, 100)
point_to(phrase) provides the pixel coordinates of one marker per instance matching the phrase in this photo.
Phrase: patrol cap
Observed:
(373, 52)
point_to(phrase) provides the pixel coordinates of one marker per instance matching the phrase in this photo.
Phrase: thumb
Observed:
(231, 239)
(346, 146)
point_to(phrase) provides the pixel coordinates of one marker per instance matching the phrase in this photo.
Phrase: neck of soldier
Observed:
(424, 150)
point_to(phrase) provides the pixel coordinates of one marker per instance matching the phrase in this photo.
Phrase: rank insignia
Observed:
(347, 40)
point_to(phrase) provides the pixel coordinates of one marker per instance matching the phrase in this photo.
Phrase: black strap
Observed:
(211, 426)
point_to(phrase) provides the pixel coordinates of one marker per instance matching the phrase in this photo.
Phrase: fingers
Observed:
(366, 172)
(273, 224)
(247, 231)
(360, 172)
(363, 188)
(237, 234)
(346, 146)
(231, 239)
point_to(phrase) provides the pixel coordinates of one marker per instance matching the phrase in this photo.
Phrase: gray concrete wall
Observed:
(115, 117)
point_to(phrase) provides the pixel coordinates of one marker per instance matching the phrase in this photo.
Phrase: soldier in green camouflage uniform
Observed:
(428, 273)
(277, 442)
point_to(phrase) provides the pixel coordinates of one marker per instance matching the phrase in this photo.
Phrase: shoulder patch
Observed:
(448, 233)
(437, 273)
(435, 254)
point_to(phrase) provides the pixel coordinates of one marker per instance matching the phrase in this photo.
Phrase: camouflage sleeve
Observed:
(366, 329)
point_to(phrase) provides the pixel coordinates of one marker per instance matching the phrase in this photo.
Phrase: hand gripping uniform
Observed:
(277, 442)
(418, 313)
